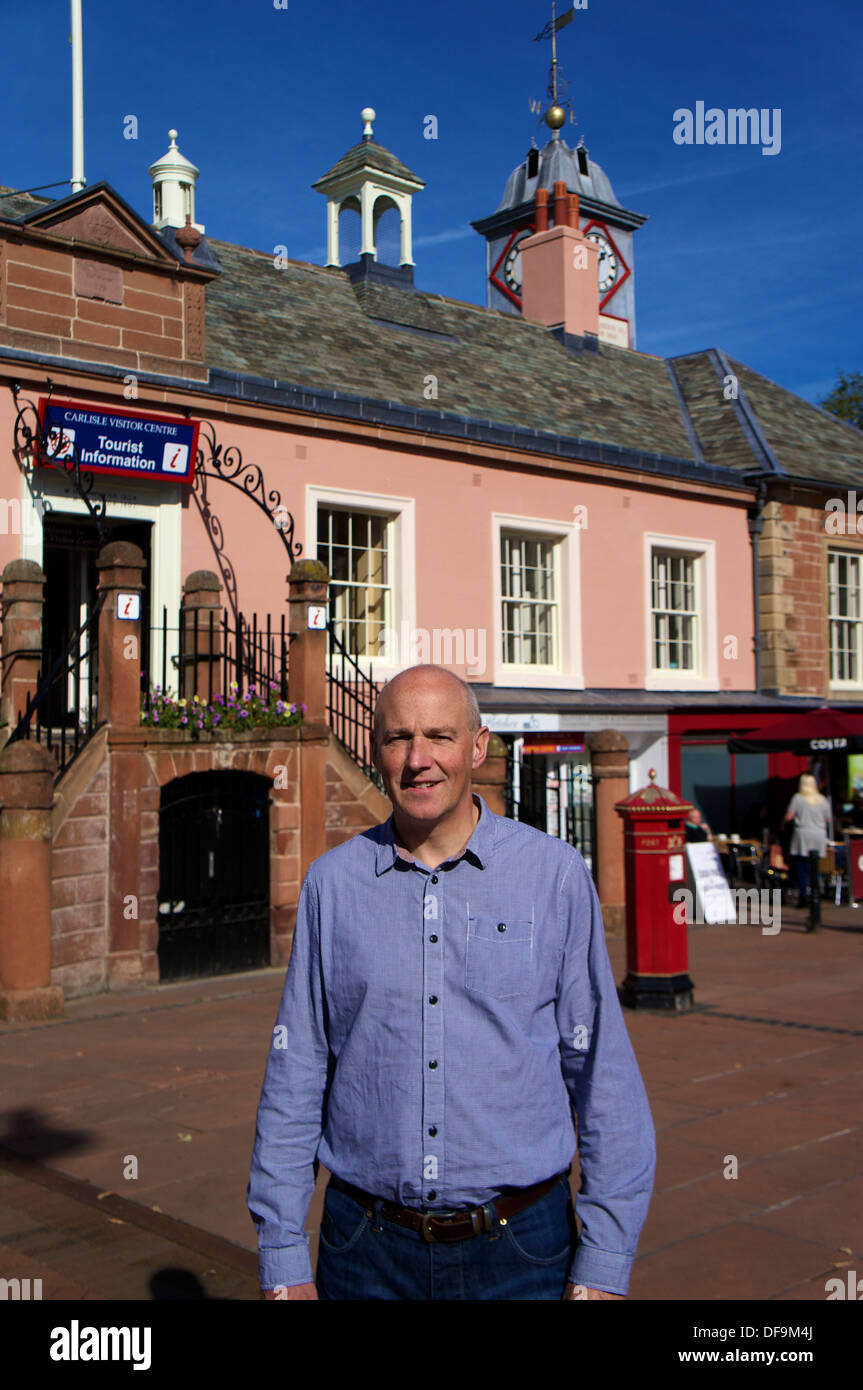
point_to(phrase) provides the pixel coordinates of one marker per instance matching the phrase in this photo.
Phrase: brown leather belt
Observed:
(457, 1225)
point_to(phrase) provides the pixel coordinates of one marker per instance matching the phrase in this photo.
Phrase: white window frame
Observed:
(706, 674)
(567, 674)
(401, 537)
(833, 682)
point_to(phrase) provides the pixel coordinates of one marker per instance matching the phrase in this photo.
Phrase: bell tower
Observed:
(601, 217)
(174, 178)
(370, 180)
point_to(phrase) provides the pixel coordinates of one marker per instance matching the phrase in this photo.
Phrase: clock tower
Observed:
(601, 217)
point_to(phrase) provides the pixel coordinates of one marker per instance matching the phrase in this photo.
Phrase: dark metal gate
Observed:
(553, 795)
(214, 874)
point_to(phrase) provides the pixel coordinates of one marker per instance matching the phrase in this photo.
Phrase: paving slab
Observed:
(767, 1067)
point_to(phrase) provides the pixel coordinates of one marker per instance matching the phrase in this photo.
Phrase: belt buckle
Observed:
(480, 1219)
(425, 1230)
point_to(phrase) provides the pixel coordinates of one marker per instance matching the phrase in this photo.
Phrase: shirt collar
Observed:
(478, 847)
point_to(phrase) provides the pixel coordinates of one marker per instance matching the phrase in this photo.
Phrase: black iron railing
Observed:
(351, 696)
(62, 711)
(553, 796)
(248, 652)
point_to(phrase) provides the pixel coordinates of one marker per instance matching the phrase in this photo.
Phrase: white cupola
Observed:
(174, 179)
(370, 180)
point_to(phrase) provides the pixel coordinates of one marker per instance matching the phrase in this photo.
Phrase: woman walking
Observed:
(813, 827)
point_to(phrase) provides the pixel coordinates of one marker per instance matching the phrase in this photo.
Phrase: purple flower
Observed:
(184, 720)
(244, 714)
(252, 689)
(274, 685)
(279, 707)
(304, 706)
(155, 718)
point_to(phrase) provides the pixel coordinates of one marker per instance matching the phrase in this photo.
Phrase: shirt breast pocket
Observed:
(499, 957)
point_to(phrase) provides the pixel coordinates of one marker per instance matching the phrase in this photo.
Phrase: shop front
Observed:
(741, 793)
(551, 777)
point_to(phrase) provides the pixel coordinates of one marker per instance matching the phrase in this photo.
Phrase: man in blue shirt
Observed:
(448, 1001)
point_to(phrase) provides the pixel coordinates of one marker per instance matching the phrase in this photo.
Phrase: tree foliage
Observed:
(846, 398)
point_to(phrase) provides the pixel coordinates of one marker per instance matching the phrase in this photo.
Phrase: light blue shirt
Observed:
(435, 1030)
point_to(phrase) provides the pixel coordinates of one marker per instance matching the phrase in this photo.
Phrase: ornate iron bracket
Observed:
(215, 461)
(32, 447)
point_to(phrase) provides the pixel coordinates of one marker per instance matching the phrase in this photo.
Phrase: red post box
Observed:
(654, 848)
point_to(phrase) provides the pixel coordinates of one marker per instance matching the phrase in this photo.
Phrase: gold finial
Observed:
(555, 116)
(652, 775)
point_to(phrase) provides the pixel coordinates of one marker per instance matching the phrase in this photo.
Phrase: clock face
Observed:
(512, 267)
(609, 266)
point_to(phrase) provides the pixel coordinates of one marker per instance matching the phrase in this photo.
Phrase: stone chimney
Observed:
(560, 268)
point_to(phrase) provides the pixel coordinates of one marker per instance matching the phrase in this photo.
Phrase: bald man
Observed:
(448, 1004)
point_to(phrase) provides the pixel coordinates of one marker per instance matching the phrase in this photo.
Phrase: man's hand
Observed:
(582, 1291)
(288, 1291)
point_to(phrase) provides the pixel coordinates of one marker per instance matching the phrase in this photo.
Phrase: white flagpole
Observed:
(78, 179)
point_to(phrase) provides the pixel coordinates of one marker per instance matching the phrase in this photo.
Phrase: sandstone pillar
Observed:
(609, 764)
(307, 685)
(120, 564)
(23, 598)
(489, 781)
(27, 773)
(201, 636)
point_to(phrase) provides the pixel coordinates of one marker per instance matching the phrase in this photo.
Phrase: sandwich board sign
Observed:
(714, 901)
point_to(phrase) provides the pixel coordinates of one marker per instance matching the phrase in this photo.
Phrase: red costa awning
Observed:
(823, 730)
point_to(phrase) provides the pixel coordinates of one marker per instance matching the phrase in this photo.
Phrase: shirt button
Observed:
(434, 878)
(432, 1195)
(432, 938)
(432, 998)
(432, 1065)
(433, 1131)
(501, 926)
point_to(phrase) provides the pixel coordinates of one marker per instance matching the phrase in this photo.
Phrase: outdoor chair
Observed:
(833, 868)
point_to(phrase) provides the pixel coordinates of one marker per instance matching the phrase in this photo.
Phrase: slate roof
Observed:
(309, 325)
(558, 160)
(768, 426)
(14, 205)
(367, 153)
(310, 328)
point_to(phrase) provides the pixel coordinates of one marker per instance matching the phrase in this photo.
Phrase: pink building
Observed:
(514, 491)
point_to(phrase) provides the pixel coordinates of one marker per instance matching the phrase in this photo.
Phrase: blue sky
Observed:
(752, 253)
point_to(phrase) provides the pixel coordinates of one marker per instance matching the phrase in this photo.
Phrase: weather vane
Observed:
(555, 116)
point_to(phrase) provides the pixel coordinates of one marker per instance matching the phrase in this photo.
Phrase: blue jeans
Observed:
(801, 869)
(362, 1257)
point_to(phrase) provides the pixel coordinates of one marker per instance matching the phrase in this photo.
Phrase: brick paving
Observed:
(766, 1069)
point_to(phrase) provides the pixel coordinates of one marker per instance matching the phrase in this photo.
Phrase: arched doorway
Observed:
(214, 874)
